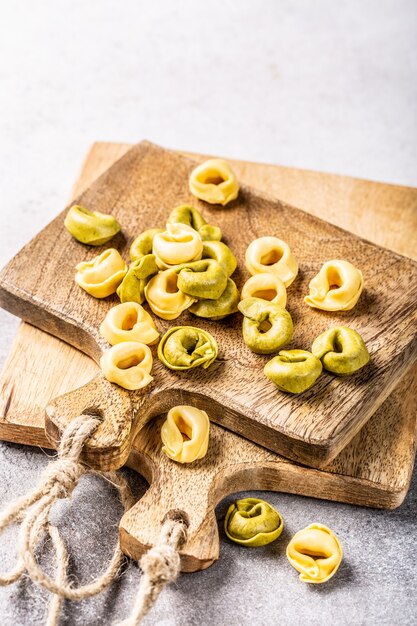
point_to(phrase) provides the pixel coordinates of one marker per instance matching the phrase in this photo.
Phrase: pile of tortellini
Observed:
(267, 325)
(315, 551)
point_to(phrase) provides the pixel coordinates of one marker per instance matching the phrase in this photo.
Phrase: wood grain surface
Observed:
(140, 189)
(373, 470)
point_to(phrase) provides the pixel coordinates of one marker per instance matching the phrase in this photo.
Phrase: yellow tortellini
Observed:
(253, 522)
(266, 286)
(214, 182)
(185, 434)
(187, 214)
(270, 254)
(129, 322)
(178, 244)
(164, 296)
(128, 364)
(336, 287)
(91, 227)
(316, 553)
(186, 347)
(101, 276)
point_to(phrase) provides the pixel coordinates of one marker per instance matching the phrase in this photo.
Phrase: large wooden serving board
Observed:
(140, 189)
(373, 470)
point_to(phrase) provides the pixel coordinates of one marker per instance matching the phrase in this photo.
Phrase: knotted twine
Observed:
(160, 565)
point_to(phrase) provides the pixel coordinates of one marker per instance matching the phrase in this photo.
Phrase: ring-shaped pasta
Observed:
(214, 182)
(253, 522)
(128, 364)
(186, 347)
(164, 297)
(266, 327)
(266, 286)
(187, 214)
(220, 308)
(132, 287)
(293, 371)
(101, 276)
(221, 253)
(192, 423)
(129, 322)
(91, 227)
(341, 350)
(336, 287)
(316, 553)
(202, 279)
(178, 244)
(143, 243)
(270, 254)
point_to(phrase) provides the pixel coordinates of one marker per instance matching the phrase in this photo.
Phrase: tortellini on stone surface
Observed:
(128, 364)
(164, 297)
(187, 214)
(221, 253)
(129, 322)
(143, 243)
(341, 350)
(214, 182)
(293, 371)
(270, 254)
(90, 227)
(185, 434)
(132, 287)
(220, 308)
(336, 287)
(101, 276)
(266, 327)
(177, 244)
(266, 286)
(316, 553)
(202, 279)
(186, 347)
(253, 522)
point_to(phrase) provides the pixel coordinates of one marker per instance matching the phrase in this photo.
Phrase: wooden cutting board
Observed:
(373, 470)
(140, 189)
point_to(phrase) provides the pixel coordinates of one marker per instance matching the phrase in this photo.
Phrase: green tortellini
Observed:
(253, 522)
(187, 214)
(91, 227)
(202, 279)
(142, 245)
(132, 287)
(267, 327)
(221, 253)
(341, 350)
(185, 347)
(220, 308)
(293, 371)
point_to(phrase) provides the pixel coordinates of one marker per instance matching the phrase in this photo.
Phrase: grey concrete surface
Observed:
(323, 85)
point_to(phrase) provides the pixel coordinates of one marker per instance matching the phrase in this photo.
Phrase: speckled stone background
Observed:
(323, 85)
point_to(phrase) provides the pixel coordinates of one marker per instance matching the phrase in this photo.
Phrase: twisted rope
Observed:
(160, 565)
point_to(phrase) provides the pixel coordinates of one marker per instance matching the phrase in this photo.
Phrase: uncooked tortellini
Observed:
(316, 553)
(270, 254)
(128, 364)
(266, 327)
(186, 347)
(341, 350)
(129, 322)
(266, 286)
(336, 287)
(187, 214)
(185, 434)
(178, 244)
(164, 297)
(101, 276)
(214, 181)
